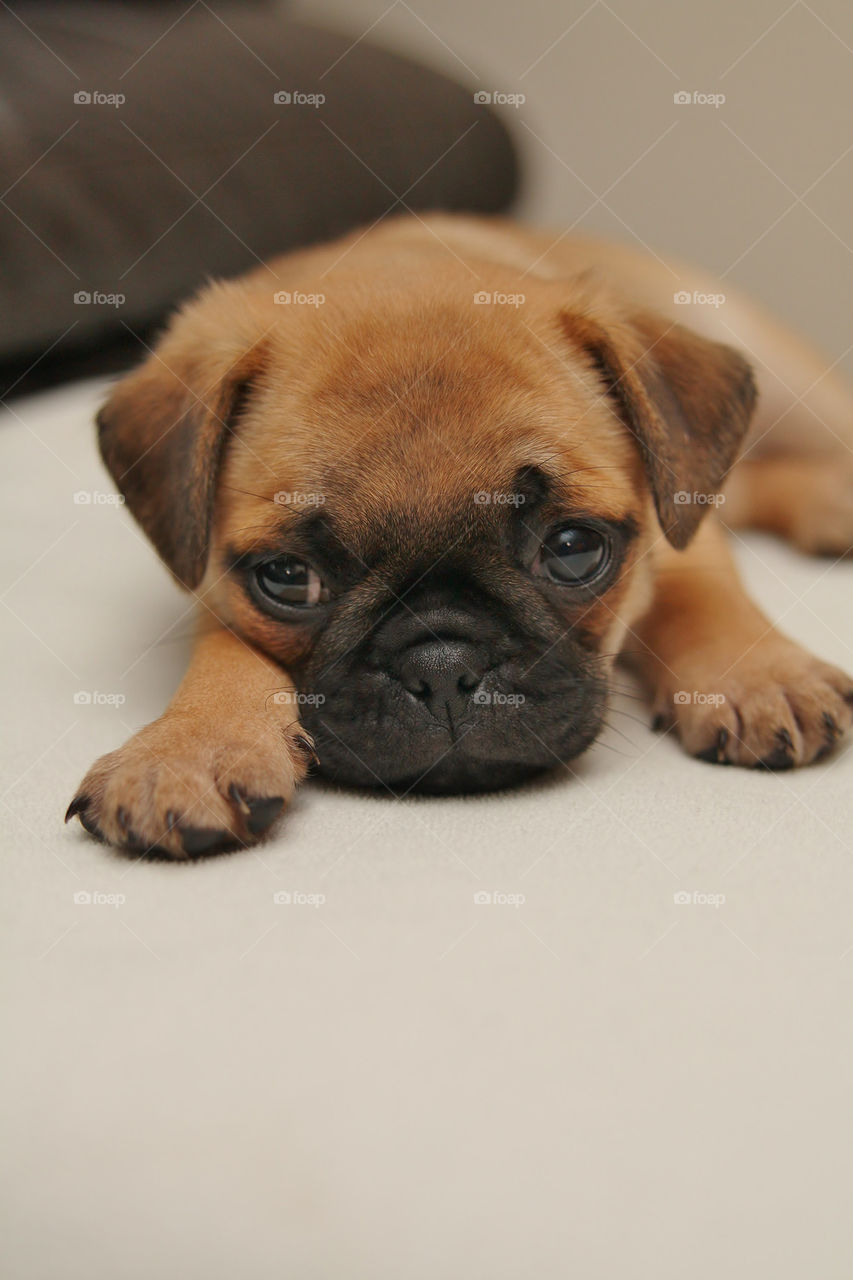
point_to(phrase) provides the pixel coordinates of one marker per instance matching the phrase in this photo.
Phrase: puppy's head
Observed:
(438, 515)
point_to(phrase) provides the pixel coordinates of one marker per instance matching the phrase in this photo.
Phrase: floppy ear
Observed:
(163, 429)
(687, 402)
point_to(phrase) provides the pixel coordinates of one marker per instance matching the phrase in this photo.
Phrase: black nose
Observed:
(444, 674)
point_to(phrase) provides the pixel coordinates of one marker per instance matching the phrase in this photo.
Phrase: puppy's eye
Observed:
(290, 581)
(573, 556)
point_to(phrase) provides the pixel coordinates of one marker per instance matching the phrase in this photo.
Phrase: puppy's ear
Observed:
(163, 430)
(687, 402)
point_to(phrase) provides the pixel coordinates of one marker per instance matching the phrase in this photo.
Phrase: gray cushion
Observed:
(198, 171)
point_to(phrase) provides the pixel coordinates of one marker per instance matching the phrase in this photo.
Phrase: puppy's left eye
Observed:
(573, 556)
(290, 581)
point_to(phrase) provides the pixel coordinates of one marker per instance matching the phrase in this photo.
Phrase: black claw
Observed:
(157, 852)
(77, 805)
(239, 799)
(782, 756)
(306, 746)
(716, 753)
(135, 843)
(172, 819)
(90, 825)
(831, 735)
(198, 840)
(123, 819)
(263, 812)
(259, 812)
(659, 723)
(78, 809)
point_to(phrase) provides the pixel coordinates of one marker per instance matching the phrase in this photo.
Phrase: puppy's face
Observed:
(438, 516)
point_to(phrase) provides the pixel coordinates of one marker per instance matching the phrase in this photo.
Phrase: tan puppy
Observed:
(427, 501)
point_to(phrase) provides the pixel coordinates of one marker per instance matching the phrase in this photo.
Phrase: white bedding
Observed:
(401, 1081)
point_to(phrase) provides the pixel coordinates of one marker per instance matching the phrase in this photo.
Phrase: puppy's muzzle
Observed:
(450, 698)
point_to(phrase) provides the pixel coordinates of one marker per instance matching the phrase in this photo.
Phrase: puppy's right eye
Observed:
(290, 581)
(573, 555)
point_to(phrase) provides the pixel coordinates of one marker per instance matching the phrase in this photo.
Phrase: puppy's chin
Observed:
(391, 742)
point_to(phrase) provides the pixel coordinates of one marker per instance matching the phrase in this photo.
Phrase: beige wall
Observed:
(760, 189)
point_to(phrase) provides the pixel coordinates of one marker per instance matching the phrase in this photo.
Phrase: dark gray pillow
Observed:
(143, 152)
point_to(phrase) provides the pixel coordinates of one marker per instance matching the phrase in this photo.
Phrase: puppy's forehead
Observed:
(402, 421)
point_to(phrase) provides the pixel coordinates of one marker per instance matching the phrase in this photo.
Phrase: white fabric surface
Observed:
(400, 1082)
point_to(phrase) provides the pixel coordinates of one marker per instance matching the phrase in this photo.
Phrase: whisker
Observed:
(608, 746)
(616, 711)
(625, 693)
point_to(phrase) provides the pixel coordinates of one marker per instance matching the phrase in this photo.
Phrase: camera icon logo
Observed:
(682, 899)
(82, 498)
(482, 899)
(82, 98)
(482, 298)
(482, 97)
(681, 498)
(282, 898)
(82, 298)
(682, 298)
(282, 298)
(681, 698)
(83, 898)
(481, 698)
(282, 97)
(83, 698)
(681, 99)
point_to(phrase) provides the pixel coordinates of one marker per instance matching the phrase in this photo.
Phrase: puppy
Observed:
(429, 494)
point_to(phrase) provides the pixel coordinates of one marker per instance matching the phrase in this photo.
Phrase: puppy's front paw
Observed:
(774, 708)
(182, 788)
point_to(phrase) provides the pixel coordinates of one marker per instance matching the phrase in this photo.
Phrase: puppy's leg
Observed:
(807, 500)
(735, 689)
(214, 771)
